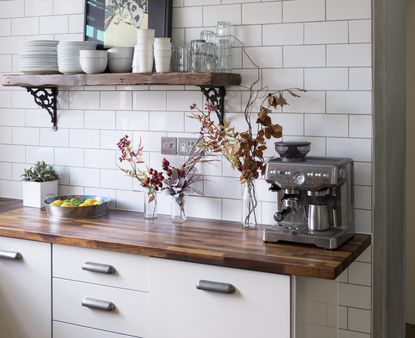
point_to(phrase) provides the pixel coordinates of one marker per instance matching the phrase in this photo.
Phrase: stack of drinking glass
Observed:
(210, 53)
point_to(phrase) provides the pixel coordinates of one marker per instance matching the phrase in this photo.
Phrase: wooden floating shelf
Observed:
(122, 79)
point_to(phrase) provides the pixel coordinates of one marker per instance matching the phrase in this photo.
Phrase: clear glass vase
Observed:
(178, 213)
(249, 206)
(150, 204)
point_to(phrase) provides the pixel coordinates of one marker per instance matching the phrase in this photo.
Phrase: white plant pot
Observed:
(34, 193)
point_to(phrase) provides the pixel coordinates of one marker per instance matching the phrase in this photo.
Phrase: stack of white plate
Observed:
(39, 57)
(68, 55)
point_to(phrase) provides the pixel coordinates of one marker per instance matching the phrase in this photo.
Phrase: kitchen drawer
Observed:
(259, 307)
(130, 271)
(63, 330)
(129, 316)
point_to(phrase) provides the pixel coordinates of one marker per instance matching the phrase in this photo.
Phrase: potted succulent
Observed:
(39, 182)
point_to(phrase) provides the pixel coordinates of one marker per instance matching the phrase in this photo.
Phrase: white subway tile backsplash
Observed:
(129, 200)
(149, 100)
(25, 26)
(5, 27)
(326, 78)
(366, 256)
(363, 221)
(69, 157)
(84, 138)
(249, 35)
(12, 153)
(48, 137)
(303, 10)
(326, 32)
(11, 9)
(100, 119)
(351, 9)
(308, 102)
(21, 135)
(10, 44)
(318, 147)
(84, 177)
(318, 290)
(342, 317)
(326, 125)
(38, 7)
(213, 14)
(34, 154)
(5, 135)
(293, 124)
(54, 24)
(304, 56)
(132, 120)
(100, 158)
(187, 17)
(360, 31)
(361, 126)
(5, 171)
(5, 99)
(359, 320)
(116, 100)
(68, 7)
(283, 78)
(265, 57)
(283, 34)
(360, 273)
(71, 190)
(167, 121)
(362, 173)
(342, 102)
(203, 207)
(353, 55)
(11, 189)
(231, 210)
(354, 296)
(316, 313)
(63, 173)
(363, 197)
(83, 100)
(102, 192)
(110, 138)
(151, 141)
(262, 13)
(357, 149)
(115, 179)
(182, 100)
(360, 79)
(5, 63)
(233, 187)
(67, 118)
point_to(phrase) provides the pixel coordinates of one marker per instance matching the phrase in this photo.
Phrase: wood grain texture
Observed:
(200, 241)
(60, 80)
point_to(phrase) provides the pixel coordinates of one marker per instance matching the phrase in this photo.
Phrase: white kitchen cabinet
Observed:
(25, 289)
(259, 307)
(64, 330)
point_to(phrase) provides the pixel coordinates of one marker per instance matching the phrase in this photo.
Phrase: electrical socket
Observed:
(169, 145)
(185, 144)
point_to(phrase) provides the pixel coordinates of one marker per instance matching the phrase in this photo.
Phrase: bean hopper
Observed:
(314, 197)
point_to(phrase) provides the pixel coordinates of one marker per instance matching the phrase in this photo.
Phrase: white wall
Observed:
(410, 165)
(321, 45)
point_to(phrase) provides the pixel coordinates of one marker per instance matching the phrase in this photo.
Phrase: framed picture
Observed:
(114, 23)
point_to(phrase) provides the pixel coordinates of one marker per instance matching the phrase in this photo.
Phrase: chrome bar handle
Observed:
(11, 255)
(98, 304)
(99, 268)
(218, 287)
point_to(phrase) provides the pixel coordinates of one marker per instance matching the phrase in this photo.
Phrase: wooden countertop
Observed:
(199, 241)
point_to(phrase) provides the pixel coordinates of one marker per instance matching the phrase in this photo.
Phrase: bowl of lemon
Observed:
(77, 206)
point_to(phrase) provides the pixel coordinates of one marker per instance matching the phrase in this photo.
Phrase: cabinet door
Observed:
(25, 289)
(259, 307)
(63, 330)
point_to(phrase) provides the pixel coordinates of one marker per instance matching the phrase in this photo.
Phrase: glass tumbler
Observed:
(211, 57)
(223, 28)
(208, 36)
(198, 55)
(181, 59)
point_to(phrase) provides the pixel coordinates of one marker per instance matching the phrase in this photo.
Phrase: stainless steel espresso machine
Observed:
(314, 197)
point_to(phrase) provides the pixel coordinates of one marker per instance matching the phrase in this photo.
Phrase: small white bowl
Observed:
(118, 65)
(93, 65)
(121, 52)
(145, 33)
(88, 53)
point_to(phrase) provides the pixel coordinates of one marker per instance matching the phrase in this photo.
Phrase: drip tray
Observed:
(330, 239)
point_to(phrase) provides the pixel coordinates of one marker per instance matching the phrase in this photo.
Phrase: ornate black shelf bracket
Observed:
(46, 98)
(216, 96)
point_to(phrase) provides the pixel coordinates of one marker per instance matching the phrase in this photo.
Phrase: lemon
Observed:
(66, 204)
(84, 205)
(56, 203)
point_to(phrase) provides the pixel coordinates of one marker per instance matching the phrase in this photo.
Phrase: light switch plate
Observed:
(185, 144)
(169, 145)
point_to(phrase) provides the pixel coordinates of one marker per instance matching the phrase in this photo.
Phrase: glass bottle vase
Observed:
(249, 206)
(178, 213)
(150, 205)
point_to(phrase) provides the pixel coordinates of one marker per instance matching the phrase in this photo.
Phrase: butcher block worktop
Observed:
(200, 241)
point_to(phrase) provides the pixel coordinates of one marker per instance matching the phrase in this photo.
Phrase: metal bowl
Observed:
(292, 151)
(77, 212)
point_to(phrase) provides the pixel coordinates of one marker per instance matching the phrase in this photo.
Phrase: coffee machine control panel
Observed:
(301, 176)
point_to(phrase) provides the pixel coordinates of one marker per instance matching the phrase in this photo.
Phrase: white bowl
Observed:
(121, 52)
(162, 40)
(145, 32)
(118, 65)
(88, 53)
(93, 65)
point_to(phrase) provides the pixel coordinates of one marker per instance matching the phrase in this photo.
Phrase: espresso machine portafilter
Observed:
(314, 197)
